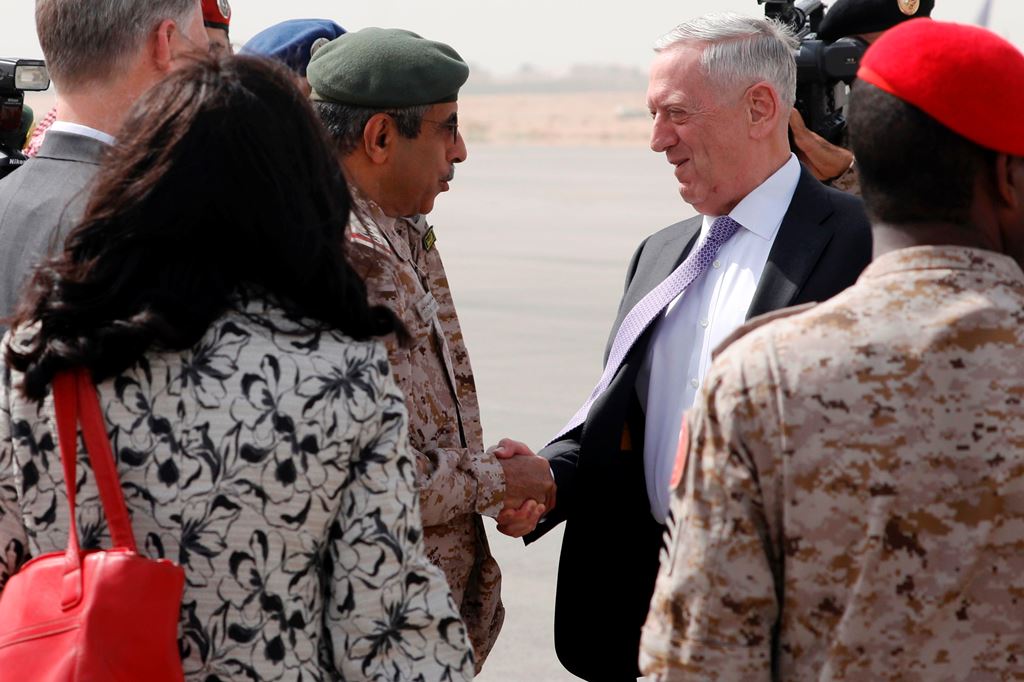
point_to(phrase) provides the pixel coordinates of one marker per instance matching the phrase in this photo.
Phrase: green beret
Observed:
(387, 68)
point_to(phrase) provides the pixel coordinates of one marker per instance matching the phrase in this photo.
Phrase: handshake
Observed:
(529, 487)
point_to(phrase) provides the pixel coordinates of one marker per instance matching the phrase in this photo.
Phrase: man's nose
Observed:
(459, 151)
(663, 135)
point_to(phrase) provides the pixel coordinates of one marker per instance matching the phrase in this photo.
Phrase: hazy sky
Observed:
(501, 35)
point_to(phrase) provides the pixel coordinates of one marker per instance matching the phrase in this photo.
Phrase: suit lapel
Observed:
(801, 240)
(655, 264)
(653, 268)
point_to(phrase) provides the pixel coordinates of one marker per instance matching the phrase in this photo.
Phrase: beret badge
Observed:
(225, 8)
(909, 7)
(317, 44)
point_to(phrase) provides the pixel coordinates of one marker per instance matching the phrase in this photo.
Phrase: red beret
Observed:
(965, 77)
(217, 13)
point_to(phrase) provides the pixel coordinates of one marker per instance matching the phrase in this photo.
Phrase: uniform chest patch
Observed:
(427, 307)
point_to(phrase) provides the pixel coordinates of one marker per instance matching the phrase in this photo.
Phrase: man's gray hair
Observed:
(740, 51)
(85, 40)
(345, 124)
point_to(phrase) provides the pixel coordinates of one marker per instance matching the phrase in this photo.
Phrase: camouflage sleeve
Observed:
(13, 538)
(716, 602)
(456, 481)
(452, 481)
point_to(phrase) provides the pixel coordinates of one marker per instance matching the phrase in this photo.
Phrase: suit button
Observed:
(717, 263)
(694, 383)
(704, 323)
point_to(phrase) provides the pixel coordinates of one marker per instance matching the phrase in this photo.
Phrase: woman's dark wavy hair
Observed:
(221, 181)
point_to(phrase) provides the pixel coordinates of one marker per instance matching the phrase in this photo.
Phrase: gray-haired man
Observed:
(769, 236)
(102, 54)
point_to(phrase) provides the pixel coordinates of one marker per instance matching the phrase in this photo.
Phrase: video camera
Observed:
(16, 77)
(824, 71)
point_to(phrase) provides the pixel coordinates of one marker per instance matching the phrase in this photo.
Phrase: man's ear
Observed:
(379, 137)
(763, 108)
(1010, 180)
(161, 43)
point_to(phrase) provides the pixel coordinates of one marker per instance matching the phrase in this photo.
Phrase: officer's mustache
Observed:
(451, 175)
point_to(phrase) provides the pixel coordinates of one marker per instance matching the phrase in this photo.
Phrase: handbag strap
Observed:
(76, 402)
(65, 407)
(101, 457)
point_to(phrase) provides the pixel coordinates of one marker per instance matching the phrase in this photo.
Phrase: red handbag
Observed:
(91, 616)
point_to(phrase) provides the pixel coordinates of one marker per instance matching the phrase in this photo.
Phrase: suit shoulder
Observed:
(848, 208)
(756, 323)
(12, 184)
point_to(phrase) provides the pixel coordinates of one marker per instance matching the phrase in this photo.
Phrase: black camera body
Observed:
(16, 77)
(824, 71)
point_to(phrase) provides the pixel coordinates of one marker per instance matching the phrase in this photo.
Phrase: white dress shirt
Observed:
(86, 131)
(699, 319)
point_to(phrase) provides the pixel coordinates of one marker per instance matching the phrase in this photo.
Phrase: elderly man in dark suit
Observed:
(101, 55)
(769, 236)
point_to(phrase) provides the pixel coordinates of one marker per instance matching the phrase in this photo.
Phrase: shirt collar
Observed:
(762, 211)
(85, 131)
(943, 258)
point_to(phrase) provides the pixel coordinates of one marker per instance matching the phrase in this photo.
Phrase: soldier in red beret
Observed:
(217, 18)
(852, 506)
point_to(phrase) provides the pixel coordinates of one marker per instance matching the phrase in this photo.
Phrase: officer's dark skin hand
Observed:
(824, 159)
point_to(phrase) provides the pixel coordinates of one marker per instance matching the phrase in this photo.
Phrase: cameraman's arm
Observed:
(828, 162)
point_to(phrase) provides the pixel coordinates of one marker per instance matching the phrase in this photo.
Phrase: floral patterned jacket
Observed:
(271, 461)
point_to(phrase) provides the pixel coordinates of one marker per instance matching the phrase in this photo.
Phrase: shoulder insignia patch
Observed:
(368, 236)
(681, 454)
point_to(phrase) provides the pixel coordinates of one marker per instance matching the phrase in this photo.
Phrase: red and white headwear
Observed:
(217, 14)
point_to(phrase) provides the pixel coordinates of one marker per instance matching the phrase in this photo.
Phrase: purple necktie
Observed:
(651, 305)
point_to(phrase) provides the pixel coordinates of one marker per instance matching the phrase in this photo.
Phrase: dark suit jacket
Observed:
(610, 549)
(39, 203)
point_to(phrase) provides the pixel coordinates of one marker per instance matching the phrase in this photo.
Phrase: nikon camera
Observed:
(16, 77)
(824, 71)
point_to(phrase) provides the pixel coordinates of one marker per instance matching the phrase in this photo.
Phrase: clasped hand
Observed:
(529, 487)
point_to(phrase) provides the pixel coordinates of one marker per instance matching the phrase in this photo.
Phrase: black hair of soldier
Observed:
(912, 168)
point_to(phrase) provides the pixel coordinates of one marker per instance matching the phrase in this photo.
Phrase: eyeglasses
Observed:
(451, 124)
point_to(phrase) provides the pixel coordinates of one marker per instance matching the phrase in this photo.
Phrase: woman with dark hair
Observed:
(259, 436)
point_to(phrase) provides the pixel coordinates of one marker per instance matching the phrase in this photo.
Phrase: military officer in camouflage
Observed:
(852, 505)
(389, 100)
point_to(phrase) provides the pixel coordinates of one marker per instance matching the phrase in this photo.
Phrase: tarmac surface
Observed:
(536, 243)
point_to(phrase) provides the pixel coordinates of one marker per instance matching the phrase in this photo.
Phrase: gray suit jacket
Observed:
(39, 203)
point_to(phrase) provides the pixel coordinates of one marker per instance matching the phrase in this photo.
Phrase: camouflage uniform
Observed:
(853, 506)
(458, 480)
